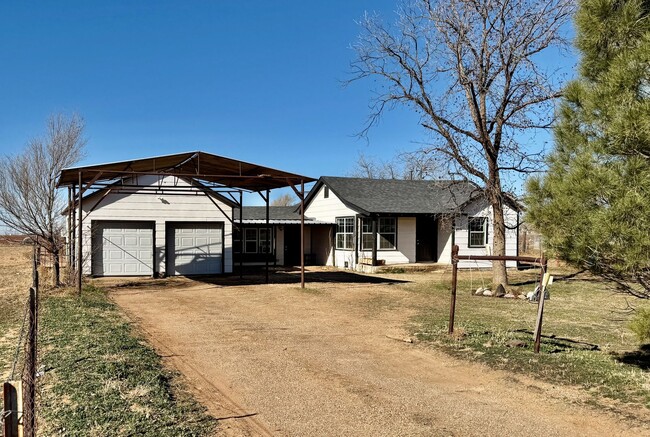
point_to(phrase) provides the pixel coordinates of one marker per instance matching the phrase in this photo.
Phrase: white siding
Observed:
(481, 209)
(444, 240)
(279, 245)
(161, 209)
(327, 210)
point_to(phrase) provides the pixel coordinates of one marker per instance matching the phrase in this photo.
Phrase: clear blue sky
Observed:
(256, 80)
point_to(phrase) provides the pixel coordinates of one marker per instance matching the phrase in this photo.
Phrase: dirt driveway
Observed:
(330, 361)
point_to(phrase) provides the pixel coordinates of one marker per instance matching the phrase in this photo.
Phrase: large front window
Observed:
(344, 232)
(256, 240)
(386, 232)
(478, 236)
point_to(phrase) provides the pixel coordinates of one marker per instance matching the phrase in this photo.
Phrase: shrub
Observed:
(640, 324)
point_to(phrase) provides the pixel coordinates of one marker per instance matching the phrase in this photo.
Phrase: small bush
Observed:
(640, 324)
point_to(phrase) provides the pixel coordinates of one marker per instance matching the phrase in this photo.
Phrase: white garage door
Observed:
(196, 248)
(122, 249)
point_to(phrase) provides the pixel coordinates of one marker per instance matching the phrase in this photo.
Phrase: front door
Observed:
(426, 235)
(292, 245)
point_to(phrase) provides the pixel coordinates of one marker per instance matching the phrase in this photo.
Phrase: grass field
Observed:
(586, 341)
(100, 378)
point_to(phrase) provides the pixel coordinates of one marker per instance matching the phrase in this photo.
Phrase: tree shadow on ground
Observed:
(639, 358)
(562, 344)
(556, 278)
(288, 275)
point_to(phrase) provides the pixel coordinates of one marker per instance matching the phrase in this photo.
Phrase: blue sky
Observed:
(258, 81)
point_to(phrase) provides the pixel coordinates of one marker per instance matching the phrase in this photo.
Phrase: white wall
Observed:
(159, 208)
(445, 232)
(279, 245)
(480, 208)
(327, 210)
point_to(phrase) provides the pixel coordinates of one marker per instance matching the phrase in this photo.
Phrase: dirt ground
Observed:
(332, 360)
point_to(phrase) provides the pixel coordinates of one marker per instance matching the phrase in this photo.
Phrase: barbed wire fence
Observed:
(15, 416)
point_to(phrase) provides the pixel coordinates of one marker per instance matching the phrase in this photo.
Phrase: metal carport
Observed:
(213, 174)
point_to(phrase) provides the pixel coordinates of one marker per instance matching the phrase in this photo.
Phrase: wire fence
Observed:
(19, 418)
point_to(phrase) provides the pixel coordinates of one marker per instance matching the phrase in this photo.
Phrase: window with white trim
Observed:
(386, 233)
(344, 232)
(477, 228)
(366, 234)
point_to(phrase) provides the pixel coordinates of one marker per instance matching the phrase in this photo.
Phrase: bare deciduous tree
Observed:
(409, 166)
(284, 200)
(468, 68)
(29, 201)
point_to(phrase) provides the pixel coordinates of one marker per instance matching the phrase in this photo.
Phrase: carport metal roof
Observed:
(197, 165)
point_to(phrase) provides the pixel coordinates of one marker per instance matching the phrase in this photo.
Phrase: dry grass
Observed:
(14, 290)
(586, 340)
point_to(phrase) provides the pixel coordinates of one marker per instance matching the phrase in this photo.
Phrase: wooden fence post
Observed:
(10, 398)
(540, 305)
(29, 376)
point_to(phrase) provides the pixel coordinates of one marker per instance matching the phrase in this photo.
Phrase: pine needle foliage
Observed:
(593, 204)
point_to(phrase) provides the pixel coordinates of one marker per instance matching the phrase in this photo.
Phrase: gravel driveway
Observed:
(331, 361)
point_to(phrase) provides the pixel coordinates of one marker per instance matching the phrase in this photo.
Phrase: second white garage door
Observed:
(195, 248)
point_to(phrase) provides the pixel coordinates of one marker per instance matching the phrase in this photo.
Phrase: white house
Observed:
(405, 221)
(180, 215)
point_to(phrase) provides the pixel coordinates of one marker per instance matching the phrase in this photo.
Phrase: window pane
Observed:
(387, 225)
(387, 241)
(344, 232)
(476, 239)
(366, 242)
(477, 224)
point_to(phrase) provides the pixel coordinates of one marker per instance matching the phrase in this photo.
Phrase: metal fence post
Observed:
(454, 280)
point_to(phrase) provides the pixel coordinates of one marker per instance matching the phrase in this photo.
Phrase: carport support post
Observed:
(241, 235)
(302, 233)
(79, 254)
(268, 238)
(454, 280)
(69, 245)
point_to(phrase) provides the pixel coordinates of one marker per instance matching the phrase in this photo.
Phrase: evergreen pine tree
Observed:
(593, 205)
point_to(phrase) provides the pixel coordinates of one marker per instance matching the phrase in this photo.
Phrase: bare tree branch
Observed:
(468, 68)
(29, 202)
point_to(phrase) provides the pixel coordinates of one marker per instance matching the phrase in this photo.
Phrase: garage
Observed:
(194, 248)
(122, 248)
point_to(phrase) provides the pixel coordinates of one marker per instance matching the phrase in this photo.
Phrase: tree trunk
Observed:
(56, 262)
(495, 199)
(56, 268)
(499, 273)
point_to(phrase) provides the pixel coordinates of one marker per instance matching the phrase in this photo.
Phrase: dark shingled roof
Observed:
(275, 213)
(400, 196)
